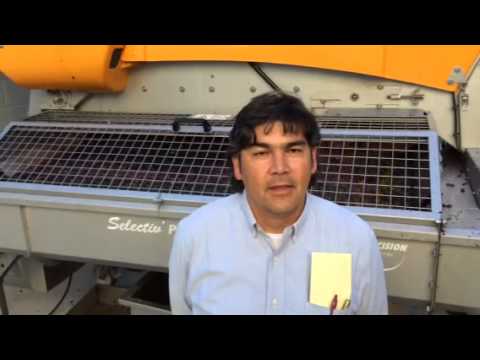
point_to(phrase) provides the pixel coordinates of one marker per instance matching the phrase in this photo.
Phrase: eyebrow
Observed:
(287, 145)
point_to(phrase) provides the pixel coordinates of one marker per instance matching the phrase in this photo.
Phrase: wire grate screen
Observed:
(379, 172)
(116, 159)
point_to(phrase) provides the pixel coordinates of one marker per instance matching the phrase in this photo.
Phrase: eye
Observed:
(259, 153)
(295, 150)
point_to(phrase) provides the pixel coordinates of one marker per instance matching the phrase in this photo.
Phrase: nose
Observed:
(279, 163)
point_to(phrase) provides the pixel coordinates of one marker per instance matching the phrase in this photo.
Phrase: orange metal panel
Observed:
(66, 67)
(427, 65)
(368, 58)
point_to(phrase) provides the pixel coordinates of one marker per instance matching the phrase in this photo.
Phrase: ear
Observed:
(314, 160)
(236, 167)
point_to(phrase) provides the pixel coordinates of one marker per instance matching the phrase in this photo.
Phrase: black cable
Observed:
(265, 77)
(64, 295)
(83, 101)
(3, 299)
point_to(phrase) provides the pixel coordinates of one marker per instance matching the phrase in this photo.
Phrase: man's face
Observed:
(276, 171)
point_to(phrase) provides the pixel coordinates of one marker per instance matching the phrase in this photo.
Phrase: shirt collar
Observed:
(252, 223)
(300, 223)
(293, 229)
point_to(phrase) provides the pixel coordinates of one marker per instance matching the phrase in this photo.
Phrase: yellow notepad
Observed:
(330, 275)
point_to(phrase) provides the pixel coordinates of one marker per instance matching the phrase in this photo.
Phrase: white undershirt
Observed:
(276, 240)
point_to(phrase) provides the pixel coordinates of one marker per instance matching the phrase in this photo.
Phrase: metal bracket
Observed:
(64, 100)
(461, 102)
(323, 102)
(463, 99)
(414, 97)
(457, 77)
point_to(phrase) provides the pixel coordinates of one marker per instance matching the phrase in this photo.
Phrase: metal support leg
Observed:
(3, 299)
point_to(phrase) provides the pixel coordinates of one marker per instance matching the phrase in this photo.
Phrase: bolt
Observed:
(211, 89)
(354, 96)
(253, 89)
(212, 76)
(181, 89)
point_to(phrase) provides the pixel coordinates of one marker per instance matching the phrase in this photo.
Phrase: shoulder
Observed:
(342, 218)
(216, 212)
(336, 213)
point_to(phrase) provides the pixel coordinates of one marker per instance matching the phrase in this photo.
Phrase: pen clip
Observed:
(346, 304)
(333, 304)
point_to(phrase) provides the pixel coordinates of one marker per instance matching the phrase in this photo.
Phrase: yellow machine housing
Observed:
(104, 67)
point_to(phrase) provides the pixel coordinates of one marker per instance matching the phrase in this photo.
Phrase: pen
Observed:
(333, 304)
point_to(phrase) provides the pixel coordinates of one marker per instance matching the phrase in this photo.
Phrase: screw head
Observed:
(354, 96)
(296, 89)
(181, 89)
(253, 89)
(380, 87)
(211, 89)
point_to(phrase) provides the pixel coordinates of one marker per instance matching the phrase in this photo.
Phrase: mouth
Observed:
(281, 189)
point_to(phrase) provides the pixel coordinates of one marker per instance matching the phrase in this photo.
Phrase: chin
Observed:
(282, 210)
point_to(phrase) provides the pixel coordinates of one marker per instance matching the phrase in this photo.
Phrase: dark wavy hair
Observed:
(267, 109)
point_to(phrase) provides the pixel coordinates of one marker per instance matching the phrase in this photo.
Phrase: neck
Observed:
(275, 223)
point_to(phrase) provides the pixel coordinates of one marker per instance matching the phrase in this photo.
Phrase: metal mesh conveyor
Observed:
(376, 171)
(115, 158)
(358, 168)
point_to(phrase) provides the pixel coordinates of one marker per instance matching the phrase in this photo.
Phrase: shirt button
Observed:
(274, 301)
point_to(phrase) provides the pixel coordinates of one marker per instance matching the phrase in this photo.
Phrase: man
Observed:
(252, 252)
